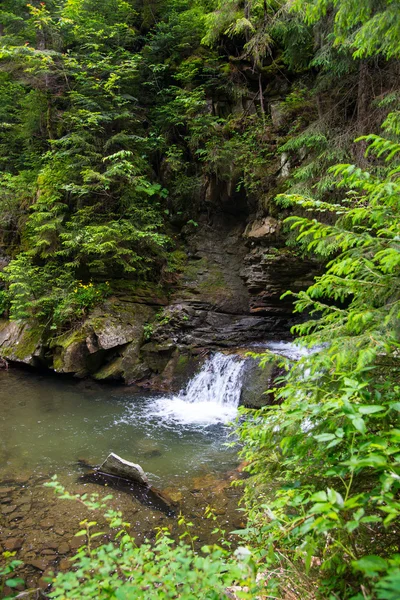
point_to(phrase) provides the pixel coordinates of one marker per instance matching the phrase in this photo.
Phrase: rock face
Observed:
(119, 467)
(107, 345)
(268, 272)
(212, 306)
(256, 381)
(226, 294)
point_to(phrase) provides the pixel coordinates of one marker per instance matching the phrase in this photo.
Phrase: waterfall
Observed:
(219, 381)
(212, 396)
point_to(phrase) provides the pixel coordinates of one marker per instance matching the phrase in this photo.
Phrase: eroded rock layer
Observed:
(226, 294)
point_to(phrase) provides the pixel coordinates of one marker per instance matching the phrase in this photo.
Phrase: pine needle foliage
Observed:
(332, 443)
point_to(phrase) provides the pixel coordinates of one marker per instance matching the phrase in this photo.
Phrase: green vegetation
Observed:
(121, 122)
(6, 571)
(331, 445)
(165, 569)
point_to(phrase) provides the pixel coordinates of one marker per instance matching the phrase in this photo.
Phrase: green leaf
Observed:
(370, 565)
(370, 409)
(14, 582)
(325, 437)
(373, 460)
(319, 497)
(359, 424)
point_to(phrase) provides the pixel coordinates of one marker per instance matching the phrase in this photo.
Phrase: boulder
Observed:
(256, 382)
(21, 342)
(265, 230)
(107, 344)
(119, 467)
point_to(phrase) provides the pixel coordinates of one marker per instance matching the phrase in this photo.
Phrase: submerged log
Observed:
(128, 477)
(119, 467)
(148, 496)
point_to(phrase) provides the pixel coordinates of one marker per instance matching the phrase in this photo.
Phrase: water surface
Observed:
(50, 423)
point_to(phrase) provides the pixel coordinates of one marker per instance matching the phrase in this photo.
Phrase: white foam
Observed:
(210, 397)
(290, 350)
(177, 411)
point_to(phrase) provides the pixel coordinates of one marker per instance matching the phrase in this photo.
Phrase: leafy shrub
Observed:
(332, 444)
(165, 569)
(7, 570)
(48, 294)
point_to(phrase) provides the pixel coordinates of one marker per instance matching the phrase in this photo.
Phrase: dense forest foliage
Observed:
(117, 118)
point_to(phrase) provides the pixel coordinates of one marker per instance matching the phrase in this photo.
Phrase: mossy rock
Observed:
(118, 322)
(107, 344)
(256, 381)
(21, 342)
(112, 370)
(157, 356)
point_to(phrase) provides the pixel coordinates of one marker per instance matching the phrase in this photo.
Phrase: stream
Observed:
(55, 425)
(49, 424)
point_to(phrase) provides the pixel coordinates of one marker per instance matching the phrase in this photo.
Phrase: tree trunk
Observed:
(363, 102)
(261, 96)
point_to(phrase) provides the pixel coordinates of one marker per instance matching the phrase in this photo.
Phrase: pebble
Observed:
(13, 544)
(17, 517)
(64, 564)
(24, 500)
(24, 508)
(77, 542)
(63, 548)
(41, 565)
(4, 491)
(47, 523)
(59, 531)
(48, 552)
(52, 545)
(8, 509)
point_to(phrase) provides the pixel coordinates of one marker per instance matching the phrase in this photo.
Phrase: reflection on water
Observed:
(48, 424)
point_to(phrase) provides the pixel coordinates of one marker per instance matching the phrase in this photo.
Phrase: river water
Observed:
(50, 424)
(53, 425)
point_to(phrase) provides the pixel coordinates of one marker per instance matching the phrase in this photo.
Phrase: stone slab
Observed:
(119, 467)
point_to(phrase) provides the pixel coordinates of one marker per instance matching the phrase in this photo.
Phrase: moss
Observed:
(112, 370)
(20, 341)
(28, 342)
(182, 362)
(57, 362)
(177, 261)
(131, 291)
(65, 340)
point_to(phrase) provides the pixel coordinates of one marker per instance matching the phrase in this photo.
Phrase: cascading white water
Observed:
(212, 396)
(289, 349)
(219, 381)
